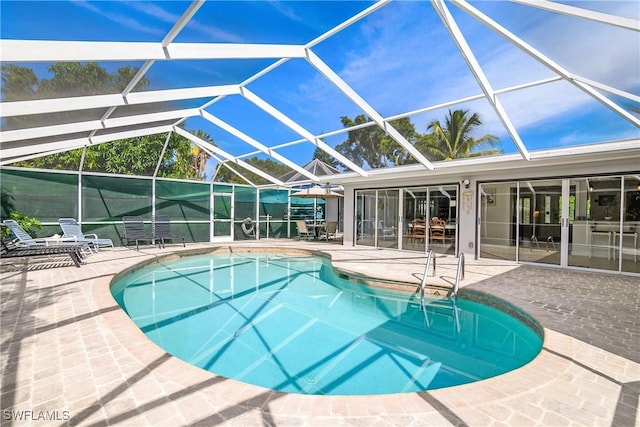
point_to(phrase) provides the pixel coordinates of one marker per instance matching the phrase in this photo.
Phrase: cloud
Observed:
(121, 19)
(215, 32)
(153, 10)
(398, 61)
(283, 9)
(159, 13)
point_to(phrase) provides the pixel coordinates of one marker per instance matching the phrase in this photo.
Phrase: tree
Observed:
(69, 79)
(454, 140)
(186, 160)
(372, 146)
(18, 83)
(133, 156)
(394, 152)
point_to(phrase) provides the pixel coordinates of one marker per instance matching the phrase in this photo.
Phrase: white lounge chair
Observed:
(71, 228)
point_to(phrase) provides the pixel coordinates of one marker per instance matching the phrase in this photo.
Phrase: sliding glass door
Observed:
(540, 221)
(365, 218)
(588, 222)
(497, 229)
(388, 219)
(404, 218)
(416, 211)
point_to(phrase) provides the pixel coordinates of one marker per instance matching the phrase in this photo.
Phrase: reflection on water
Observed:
(289, 323)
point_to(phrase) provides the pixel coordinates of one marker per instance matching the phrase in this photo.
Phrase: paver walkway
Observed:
(71, 355)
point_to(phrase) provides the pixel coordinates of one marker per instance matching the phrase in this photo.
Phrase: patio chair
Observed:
(437, 229)
(417, 230)
(330, 230)
(303, 230)
(134, 231)
(162, 230)
(71, 228)
(76, 251)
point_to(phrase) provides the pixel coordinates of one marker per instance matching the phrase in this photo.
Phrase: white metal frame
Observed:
(28, 143)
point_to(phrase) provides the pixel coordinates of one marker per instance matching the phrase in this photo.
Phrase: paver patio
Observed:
(71, 354)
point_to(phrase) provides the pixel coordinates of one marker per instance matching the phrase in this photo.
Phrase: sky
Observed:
(399, 59)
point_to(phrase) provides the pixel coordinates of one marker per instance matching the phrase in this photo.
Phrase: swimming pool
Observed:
(289, 323)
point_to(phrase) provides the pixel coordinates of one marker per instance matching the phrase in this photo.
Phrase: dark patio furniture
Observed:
(134, 231)
(162, 230)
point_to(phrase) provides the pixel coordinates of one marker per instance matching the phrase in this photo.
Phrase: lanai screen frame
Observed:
(28, 143)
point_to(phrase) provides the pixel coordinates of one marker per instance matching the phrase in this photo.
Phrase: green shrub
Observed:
(30, 225)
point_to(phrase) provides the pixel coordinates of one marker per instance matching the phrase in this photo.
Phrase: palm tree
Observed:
(454, 140)
(200, 156)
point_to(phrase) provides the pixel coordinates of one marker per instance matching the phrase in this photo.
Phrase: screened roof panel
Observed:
(504, 64)
(584, 120)
(309, 98)
(44, 140)
(69, 83)
(223, 139)
(621, 8)
(590, 49)
(170, 74)
(288, 22)
(116, 130)
(260, 76)
(490, 123)
(25, 122)
(396, 73)
(632, 106)
(304, 151)
(158, 107)
(101, 21)
(24, 148)
(242, 114)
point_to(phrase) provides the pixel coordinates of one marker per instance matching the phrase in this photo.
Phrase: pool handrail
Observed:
(423, 283)
(459, 275)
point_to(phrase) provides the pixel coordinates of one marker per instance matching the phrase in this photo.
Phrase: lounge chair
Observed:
(71, 228)
(162, 230)
(75, 251)
(24, 239)
(134, 231)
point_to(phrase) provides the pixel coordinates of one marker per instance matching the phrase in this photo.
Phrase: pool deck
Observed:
(71, 354)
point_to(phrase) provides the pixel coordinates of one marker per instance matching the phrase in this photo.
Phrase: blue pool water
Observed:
(287, 322)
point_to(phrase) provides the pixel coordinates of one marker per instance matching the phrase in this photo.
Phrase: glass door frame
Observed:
(363, 226)
(566, 223)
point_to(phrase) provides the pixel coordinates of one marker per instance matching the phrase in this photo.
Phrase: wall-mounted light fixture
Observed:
(466, 183)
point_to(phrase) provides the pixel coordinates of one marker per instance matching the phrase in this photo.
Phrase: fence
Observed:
(198, 210)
